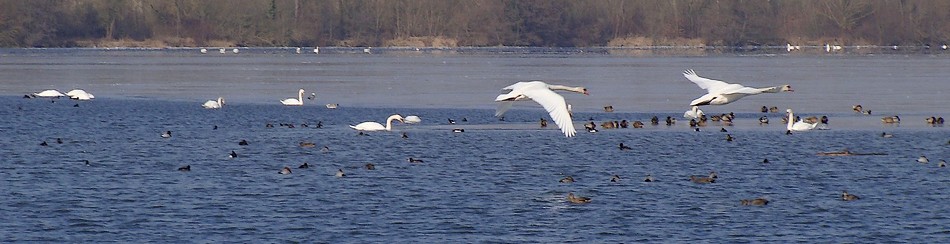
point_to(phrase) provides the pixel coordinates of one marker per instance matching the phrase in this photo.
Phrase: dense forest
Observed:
(447, 23)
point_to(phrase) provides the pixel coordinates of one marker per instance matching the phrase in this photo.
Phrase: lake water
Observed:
(496, 182)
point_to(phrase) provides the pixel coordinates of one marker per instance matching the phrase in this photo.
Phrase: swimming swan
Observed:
(212, 104)
(373, 126)
(694, 113)
(720, 93)
(798, 126)
(294, 101)
(412, 119)
(543, 94)
(80, 95)
(49, 94)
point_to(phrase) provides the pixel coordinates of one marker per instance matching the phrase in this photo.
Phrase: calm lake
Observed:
(496, 182)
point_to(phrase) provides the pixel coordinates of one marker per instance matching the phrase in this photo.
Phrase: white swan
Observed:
(720, 92)
(373, 126)
(543, 94)
(412, 119)
(49, 94)
(799, 125)
(79, 94)
(694, 113)
(213, 103)
(294, 101)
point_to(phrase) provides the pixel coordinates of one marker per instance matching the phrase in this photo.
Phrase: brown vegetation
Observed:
(439, 23)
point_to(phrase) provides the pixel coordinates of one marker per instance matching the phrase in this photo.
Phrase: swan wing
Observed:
(503, 107)
(522, 85)
(556, 107)
(710, 85)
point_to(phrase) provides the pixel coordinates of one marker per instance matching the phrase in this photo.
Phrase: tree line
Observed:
(544, 23)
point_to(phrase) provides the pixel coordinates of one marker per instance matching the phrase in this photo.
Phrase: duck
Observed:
(891, 119)
(624, 147)
(307, 144)
(615, 178)
(649, 178)
(167, 134)
(567, 179)
(723, 129)
(845, 196)
(232, 154)
(285, 171)
(670, 121)
(624, 124)
(370, 166)
(765, 109)
(754, 202)
(701, 179)
(185, 168)
(339, 173)
(458, 130)
(773, 109)
(942, 163)
(886, 135)
(414, 160)
(242, 143)
(44, 143)
(609, 108)
(575, 199)
(857, 108)
(637, 124)
(764, 120)
(304, 166)
(923, 159)
(932, 120)
(654, 120)
(405, 136)
(729, 137)
(544, 123)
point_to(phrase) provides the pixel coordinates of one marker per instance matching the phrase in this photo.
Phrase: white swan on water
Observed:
(374, 126)
(412, 119)
(294, 101)
(49, 94)
(543, 94)
(720, 92)
(694, 113)
(213, 103)
(799, 125)
(79, 94)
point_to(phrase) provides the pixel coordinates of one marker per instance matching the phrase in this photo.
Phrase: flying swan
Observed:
(721, 93)
(543, 94)
(294, 101)
(799, 125)
(214, 104)
(373, 126)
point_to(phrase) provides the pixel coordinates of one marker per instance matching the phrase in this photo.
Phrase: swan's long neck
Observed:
(220, 101)
(566, 88)
(774, 89)
(300, 96)
(389, 123)
(791, 120)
